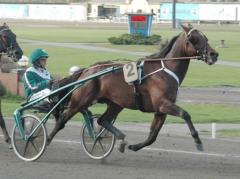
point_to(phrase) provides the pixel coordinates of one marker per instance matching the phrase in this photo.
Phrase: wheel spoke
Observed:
(101, 131)
(25, 148)
(32, 126)
(95, 141)
(101, 145)
(103, 149)
(34, 146)
(39, 131)
(36, 136)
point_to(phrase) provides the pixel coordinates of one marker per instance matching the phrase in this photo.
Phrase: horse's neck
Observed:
(179, 67)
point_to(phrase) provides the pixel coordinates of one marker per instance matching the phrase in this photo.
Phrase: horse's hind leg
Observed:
(156, 125)
(61, 120)
(172, 109)
(106, 121)
(79, 101)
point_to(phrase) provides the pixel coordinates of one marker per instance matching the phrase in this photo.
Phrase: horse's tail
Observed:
(71, 78)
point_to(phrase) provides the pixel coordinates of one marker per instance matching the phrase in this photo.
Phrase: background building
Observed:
(115, 10)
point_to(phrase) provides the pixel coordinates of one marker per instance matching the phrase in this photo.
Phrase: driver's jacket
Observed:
(35, 80)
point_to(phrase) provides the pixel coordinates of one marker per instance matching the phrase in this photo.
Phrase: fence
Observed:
(12, 82)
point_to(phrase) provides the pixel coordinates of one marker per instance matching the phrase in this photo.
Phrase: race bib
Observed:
(130, 72)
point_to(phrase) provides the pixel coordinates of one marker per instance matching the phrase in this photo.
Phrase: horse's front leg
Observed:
(172, 109)
(156, 125)
(4, 129)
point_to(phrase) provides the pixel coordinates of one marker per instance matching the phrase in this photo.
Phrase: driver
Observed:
(37, 80)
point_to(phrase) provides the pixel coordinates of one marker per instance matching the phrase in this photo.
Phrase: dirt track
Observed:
(221, 95)
(170, 157)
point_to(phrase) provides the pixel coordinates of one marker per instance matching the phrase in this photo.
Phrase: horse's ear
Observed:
(185, 28)
(5, 24)
(190, 26)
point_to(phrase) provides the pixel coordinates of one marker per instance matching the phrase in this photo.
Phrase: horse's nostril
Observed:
(214, 54)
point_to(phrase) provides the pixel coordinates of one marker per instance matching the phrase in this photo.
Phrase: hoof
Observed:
(10, 146)
(133, 148)
(9, 143)
(121, 146)
(199, 147)
(49, 141)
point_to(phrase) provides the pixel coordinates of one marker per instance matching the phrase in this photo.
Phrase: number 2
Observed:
(129, 67)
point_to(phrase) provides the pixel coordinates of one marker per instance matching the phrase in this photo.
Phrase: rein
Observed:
(167, 59)
(145, 59)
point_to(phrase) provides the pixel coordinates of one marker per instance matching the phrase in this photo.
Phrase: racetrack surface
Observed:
(210, 95)
(171, 156)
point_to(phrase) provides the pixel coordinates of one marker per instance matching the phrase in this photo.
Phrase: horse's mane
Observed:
(165, 48)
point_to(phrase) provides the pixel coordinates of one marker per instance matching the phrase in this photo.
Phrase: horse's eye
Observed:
(193, 40)
(4, 37)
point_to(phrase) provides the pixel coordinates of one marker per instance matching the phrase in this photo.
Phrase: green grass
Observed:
(199, 74)
(201, 113)
(232, 42)
(95, 34)
(61, 58)
(67, 34)
(229, 132)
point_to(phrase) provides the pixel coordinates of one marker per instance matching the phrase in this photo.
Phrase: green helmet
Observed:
(38, 53)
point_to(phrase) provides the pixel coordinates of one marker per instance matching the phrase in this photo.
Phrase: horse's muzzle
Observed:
(213, 57)
(18, 54)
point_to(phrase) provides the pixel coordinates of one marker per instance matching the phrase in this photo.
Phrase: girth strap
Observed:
(138, 97)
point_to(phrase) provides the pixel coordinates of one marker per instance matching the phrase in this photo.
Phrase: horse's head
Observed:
(8, 43)
(197, 45)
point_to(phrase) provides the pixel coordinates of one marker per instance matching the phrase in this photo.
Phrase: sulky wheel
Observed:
(100, 145)
(33, 147)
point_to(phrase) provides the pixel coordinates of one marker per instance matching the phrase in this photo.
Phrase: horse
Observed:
(8, 46)
(162, 74)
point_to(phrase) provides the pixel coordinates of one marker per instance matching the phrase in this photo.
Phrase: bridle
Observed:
(6, 45)
(202, 52)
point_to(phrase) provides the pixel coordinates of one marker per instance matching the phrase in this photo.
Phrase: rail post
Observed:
(213, 130)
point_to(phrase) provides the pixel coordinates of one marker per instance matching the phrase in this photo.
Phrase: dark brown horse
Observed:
(10, 47)
(157, 93)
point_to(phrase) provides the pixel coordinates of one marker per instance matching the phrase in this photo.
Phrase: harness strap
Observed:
(5, 29)
(137, 94)
(170, 73)
(163, 69)
(138, 97)
(140, 69)
(190, 31)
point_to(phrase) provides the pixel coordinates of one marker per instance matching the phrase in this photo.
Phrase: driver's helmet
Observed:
(38, 53)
